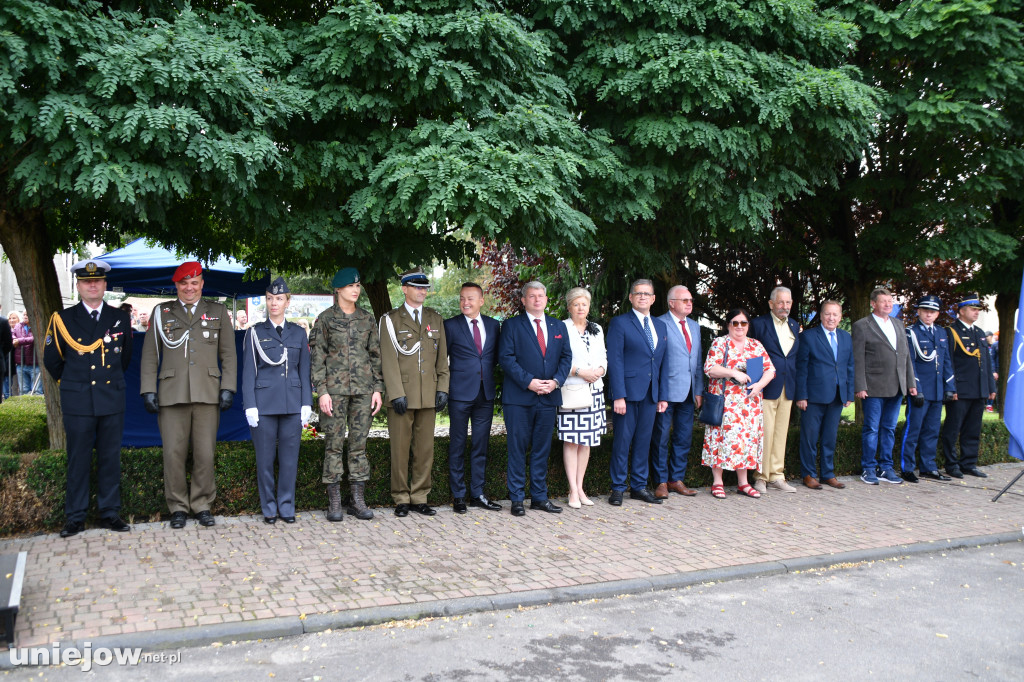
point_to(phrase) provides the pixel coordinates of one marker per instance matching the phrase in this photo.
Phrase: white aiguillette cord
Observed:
(394, 340)
(257, 348)
(163, 336)
(927, 357)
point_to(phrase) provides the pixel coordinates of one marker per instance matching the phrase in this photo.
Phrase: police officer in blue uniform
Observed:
(87, 349)
(277, 395)
(933, 368)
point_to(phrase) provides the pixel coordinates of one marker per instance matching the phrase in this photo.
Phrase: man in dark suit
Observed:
(779, 334)
(636, 350)
(87, 349)
(975, 384)
(536, 357)
(824, 386)
(472, 351)
(682, 388)
(883, 374)
(933, 369)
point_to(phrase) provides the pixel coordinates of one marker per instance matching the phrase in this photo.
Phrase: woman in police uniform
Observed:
(277, 396)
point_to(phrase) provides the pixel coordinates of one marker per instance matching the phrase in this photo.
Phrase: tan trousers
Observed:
(178, 425)
(776, 429)
(413, 431)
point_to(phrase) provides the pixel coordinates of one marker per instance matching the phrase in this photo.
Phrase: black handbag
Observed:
(713, 408)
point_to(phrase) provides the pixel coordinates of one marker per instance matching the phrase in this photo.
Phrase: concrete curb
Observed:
(283, 627)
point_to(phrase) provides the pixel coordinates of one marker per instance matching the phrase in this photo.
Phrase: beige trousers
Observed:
(776, 429)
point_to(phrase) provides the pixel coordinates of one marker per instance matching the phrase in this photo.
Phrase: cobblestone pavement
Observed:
(107, 586)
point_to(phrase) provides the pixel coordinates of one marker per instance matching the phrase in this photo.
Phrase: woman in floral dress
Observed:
(736, 445)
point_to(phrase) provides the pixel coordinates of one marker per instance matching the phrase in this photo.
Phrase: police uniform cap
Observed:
(344, 277)
(93, 268)
(929, 303)
(186, 270)
(278, 286)
(415, 278)
(970, 299)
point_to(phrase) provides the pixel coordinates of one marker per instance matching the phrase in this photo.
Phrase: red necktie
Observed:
(476, 339)
(689, 344)
(540, 339)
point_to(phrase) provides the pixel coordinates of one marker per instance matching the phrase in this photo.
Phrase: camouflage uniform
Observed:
(345, 358)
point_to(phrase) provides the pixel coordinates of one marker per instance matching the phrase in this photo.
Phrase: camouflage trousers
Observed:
(353, 411)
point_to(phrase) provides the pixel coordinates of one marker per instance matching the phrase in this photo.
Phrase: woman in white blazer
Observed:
(582, 418)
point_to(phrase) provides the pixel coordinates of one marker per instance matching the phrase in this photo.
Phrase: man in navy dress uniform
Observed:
(87, 349)
(933, 368)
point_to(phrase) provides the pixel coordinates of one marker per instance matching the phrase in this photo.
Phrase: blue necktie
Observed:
(647, 330)
(832, 342)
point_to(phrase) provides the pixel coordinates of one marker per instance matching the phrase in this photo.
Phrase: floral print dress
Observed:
(738, 442)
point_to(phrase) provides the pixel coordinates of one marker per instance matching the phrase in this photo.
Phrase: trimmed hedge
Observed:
(23, 424)
(142, 475)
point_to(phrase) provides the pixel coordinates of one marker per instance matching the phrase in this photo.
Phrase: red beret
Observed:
(187, 269)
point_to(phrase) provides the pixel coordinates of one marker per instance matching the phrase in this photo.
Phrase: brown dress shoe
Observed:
(679, 488)
(834, 482)
(661, 492)
(812, 483)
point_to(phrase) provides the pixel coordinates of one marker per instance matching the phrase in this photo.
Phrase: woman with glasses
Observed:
(736, 445)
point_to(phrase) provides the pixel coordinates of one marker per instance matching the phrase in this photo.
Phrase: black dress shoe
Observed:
(955, 473)
(975, 472)
(483, 503)
(269, 519)
(178, 519)
(615, 498)
(115, 523)
(72, 528)
(645, 495)
(518, 509)
(547, 505)
(459, 505)
(935, 476)
(424, 509)
(287, 519)
(205, 518)
(909, 477)
(401, 510)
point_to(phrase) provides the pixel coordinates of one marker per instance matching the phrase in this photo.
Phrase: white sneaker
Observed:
(780, 484)
(760, 487)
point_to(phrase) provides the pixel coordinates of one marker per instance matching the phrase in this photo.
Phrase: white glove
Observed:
(305, 413)
(252, 415)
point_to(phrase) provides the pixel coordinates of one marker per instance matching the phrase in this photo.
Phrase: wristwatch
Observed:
(576, 372)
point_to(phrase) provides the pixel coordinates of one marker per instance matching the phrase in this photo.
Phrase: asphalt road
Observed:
(947, 616)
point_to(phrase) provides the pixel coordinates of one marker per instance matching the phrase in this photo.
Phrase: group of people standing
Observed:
(556, 374)
(17, 356)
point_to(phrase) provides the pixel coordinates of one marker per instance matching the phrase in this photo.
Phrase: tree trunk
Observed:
(26, 242)
(380, 300)
(1006, 306)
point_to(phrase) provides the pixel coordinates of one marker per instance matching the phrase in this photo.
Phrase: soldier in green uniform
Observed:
(414, 356)
(346, 372)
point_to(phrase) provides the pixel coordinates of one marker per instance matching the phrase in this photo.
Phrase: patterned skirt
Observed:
(586, 425)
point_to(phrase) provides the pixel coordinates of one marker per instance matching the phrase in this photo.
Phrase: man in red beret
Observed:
(189, 375)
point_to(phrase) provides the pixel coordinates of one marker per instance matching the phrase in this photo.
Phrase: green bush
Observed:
(24, 424)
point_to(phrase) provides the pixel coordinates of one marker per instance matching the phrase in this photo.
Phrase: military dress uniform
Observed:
(933, 368)
(88, 358)
(415, 364)
(276, 383)
(972, 365)
(187, 360)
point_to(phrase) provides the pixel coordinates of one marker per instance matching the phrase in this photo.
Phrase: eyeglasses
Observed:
(737, 323)
(683, 300)
(643, 294)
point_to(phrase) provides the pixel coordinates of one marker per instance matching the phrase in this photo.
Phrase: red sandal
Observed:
(718, 492)
(748, 490)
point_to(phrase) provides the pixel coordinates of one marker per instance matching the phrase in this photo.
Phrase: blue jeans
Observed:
(27, 376)
(879, 431)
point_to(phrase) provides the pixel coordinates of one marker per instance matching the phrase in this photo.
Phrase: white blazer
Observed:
(597, 356)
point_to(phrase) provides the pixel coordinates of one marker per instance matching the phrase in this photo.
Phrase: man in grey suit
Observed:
(682, 386)
(883, 374)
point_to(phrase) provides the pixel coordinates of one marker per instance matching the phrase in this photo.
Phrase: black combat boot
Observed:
(334, 512)
(358, 506)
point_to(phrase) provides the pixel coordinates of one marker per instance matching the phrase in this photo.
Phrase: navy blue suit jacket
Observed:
(520, 358)
(266, 387)
(632, 367)
(763, 329)
(935, 377)
(468, 369)
(818, 373)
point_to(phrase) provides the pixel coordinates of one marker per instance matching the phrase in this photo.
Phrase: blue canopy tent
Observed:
(140, 269)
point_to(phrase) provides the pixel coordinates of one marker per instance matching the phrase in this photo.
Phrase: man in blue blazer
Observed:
(472, 352)
(682, 388)
(779, 334)
(933, 370)
(824, 385)
(536, 357)
(636, 351)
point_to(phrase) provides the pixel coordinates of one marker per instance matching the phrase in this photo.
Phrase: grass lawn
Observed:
(848, 414)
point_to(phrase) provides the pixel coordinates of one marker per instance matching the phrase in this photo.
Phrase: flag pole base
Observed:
(1008, 486)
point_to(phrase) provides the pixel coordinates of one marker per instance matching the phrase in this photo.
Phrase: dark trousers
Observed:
(632, 431)
(277, 438)
(963, 421)
(480, 412)
(820, 421)
(922, 432)
(666, 466)
(529, 427)
(84, 434)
